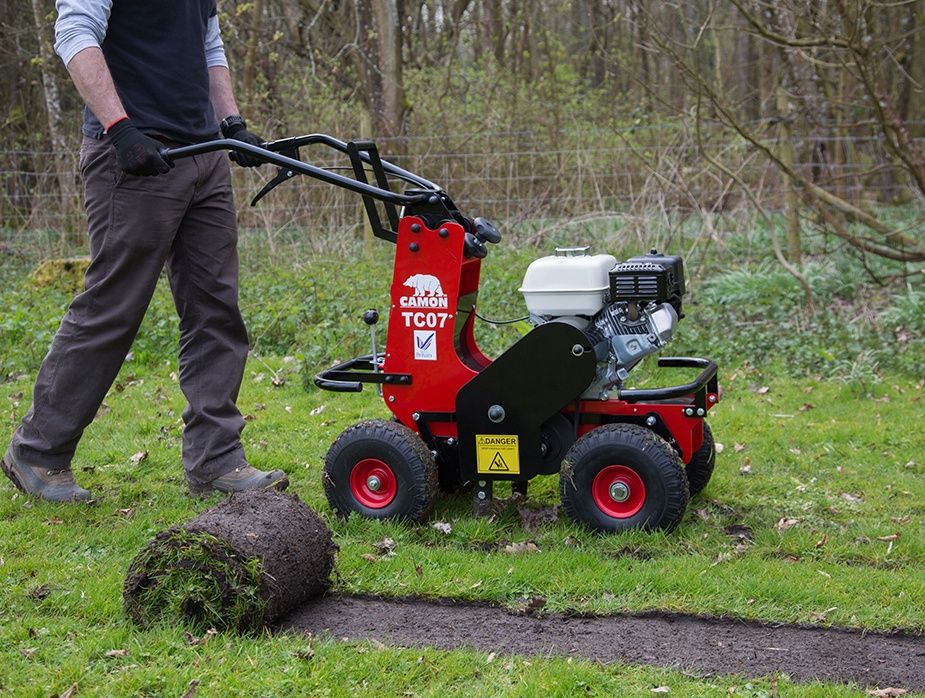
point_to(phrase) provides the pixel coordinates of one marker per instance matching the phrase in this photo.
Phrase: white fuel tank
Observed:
(571, 282)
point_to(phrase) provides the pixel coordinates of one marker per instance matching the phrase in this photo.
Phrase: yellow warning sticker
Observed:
(497, 454)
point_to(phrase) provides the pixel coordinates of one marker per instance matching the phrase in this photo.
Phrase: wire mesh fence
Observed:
(509, 177)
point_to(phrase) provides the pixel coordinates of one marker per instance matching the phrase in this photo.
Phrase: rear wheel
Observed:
(702, 463)
(623, 476)
(380, 470)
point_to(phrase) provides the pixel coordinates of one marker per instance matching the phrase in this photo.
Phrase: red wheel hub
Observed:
(373, 483)
(618, 491)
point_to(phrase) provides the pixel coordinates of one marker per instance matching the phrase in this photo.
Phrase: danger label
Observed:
(497, 454)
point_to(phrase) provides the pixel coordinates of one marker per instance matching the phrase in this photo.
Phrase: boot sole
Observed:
(8, 471)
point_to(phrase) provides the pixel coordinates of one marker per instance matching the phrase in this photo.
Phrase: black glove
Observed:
(137, 153)
(235, 127)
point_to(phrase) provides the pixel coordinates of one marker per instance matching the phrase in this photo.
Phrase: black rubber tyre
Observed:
(702, 463)
(629, 456)
(396, 457)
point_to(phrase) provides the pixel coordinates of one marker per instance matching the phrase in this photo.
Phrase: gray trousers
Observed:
(185, 219)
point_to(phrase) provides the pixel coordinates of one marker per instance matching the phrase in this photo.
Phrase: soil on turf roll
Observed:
(238, 566)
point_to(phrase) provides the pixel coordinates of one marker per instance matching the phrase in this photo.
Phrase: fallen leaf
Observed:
(806, 407)
(901, 520)
(785, 523)
(476, 585)
(889, 538)
(442, 527)
(288, 409)
(69, 693)
(418, 570)
(491, 657)
(259, 377)
(888, 692)
(763, 390)
(738, 448)
(533, 605)
(318, 410)
(193, 640)
(138, 457)
(385, 547)
(852, 498)
(523, 547)
(745, 470)
(278, 381)
(117, 653)
(191, 688)
(126, 513)
(820, 616)
(28, 652)
(719, 447)
(660, 689)
(369, 557)
(40, 592)
(822, 541)
(53, 521)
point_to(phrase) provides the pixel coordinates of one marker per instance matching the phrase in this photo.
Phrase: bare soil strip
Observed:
(702, 645)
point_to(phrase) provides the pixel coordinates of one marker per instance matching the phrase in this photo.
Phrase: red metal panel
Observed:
(430, 275)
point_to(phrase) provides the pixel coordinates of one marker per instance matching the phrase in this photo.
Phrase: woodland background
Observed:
(546, 111)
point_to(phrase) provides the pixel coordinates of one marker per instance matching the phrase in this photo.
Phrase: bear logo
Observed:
(425, 285)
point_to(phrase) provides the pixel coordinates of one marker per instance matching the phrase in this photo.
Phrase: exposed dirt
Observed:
(704, 646)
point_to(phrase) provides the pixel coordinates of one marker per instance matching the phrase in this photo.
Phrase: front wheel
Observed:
(623, 476)
(381, 470)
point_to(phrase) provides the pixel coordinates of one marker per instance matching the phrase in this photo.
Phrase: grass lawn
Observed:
(814, 514)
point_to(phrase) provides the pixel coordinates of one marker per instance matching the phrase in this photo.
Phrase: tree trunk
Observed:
(62, 157)
(390, 119)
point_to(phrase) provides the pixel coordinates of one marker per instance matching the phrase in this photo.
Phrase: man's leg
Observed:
(203, 270)
(132, 223)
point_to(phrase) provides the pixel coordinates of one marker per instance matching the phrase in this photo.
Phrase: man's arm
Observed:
(91, 76)
(224, 105)
(221, 93)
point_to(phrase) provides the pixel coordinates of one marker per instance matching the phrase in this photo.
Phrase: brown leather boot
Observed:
(53, 485)
(242, 479)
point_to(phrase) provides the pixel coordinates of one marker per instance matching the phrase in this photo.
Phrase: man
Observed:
(153, 75)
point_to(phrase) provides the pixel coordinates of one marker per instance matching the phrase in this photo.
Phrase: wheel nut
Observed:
(619, 492)
(373, 483)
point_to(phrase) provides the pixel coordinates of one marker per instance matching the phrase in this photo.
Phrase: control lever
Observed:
(485, 231)
(283, 174)
(371, 317)
(474, 247)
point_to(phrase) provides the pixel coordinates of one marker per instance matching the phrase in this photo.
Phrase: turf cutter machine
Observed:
(555, 401)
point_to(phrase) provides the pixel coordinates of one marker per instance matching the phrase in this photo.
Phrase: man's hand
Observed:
(137, 153)
(235, 127)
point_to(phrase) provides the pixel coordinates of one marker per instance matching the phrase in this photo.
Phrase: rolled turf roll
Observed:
(238, 566)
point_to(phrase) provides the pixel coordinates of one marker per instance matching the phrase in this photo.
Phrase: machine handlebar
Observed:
(429, 193)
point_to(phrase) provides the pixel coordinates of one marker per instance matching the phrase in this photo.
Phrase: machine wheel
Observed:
(380, 470)
(701, 466)
(623, 476)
